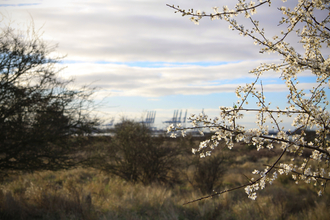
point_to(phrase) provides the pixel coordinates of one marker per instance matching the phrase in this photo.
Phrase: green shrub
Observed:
(134, 155)
(208, 173)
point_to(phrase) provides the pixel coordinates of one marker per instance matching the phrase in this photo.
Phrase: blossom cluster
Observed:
(308, 109)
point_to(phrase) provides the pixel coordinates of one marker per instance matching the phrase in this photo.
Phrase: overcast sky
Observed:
(144, 57)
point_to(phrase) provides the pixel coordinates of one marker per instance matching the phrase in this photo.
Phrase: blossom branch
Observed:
(251, 183)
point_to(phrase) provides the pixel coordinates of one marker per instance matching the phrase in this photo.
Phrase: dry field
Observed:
(86, 193)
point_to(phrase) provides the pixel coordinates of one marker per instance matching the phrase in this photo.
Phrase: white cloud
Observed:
(91, 32)
(152, 82)
(123, 80)
(134, 30)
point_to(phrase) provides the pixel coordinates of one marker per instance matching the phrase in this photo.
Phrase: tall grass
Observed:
(88, 194)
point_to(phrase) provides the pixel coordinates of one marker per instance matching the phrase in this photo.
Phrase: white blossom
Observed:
(307, 109)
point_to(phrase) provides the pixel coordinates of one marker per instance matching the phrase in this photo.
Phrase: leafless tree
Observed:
(42, 120)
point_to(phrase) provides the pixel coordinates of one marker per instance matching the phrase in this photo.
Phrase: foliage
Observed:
(208, 174)
(308, 24)
(42, 120)
(134, 155)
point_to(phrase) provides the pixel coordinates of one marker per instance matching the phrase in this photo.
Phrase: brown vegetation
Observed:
(87, 193)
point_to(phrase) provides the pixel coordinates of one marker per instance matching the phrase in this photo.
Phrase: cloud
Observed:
(140, 48)
(19, 5)
(135, 30)
(123, 80)
(154, 100)
(147, 30)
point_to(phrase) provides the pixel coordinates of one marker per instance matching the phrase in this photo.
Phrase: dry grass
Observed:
(88, 194)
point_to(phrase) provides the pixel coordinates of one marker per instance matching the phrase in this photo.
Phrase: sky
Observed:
(141, 56)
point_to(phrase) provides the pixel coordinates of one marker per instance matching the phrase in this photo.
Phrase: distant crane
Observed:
(150, 118)
(110, 124)
(185, 117)
(151, 115)
(177, 119)
(107, 126)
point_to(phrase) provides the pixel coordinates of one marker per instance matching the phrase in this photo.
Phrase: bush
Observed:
(134, 155)
(208, 173)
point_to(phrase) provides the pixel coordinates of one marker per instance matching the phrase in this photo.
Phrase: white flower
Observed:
(170, 128)
(253, 196)
(183, 133)
(173, 135)
(309, 109)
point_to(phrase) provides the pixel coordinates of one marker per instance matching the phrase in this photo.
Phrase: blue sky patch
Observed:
(151, 64)
(19, 5)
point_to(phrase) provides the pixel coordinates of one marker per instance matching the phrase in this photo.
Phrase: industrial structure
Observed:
(177, 118)
(150, 119)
